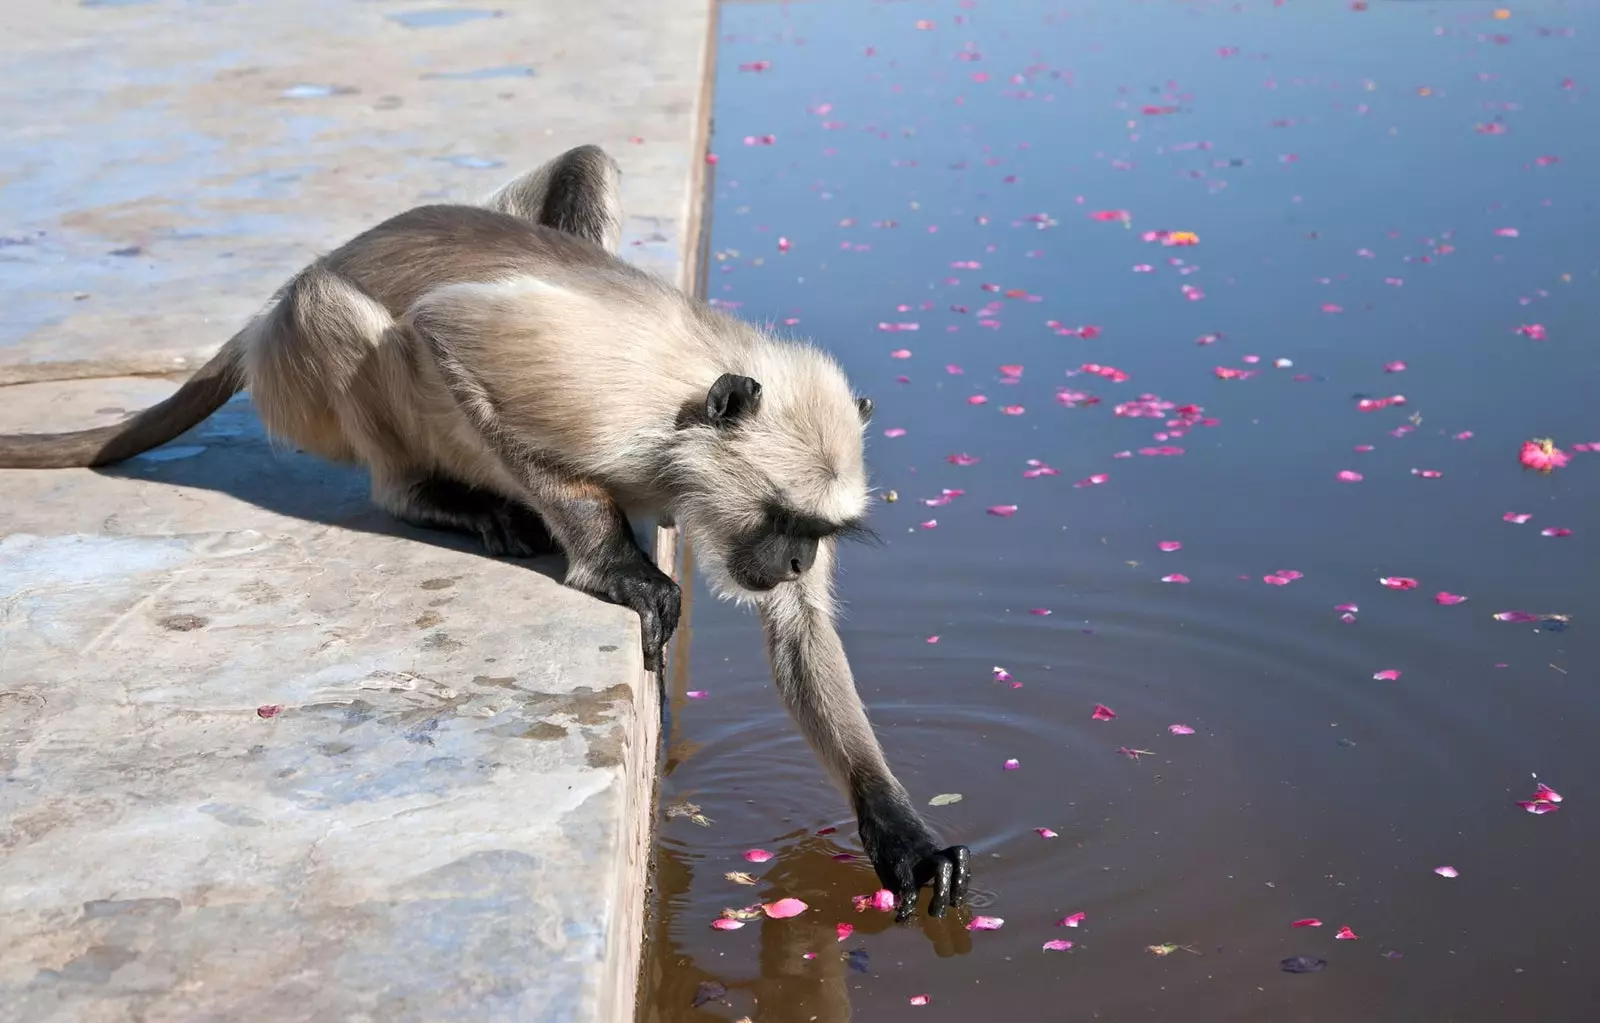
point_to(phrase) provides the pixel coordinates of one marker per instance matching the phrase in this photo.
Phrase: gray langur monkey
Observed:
(500, 371)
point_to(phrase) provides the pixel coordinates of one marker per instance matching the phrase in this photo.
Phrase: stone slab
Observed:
(265, 754)
(165, 165)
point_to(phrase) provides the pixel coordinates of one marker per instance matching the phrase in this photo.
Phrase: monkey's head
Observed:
(773, 469)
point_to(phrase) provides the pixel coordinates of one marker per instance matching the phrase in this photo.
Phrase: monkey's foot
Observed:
(507, 528)
(650, 592)
(907, 859)
(512, 531)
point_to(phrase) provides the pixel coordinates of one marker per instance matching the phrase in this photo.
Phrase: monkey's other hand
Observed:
(906, 858)
(652, 594)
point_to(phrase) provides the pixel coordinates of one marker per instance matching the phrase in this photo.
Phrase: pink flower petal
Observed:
(962, 459)
(1538, 806)
(1398, 582)
(844, 930)
(1276, 580)
(985, 923)
(697, 694)
(1309, 921)
(1057, 945)
(722, 923)
(1045, 833)
(1351, 608)
(1004, 511)
(757, 855)
(1072, 920)
(1103, 713)
(1448, 598)
(881, 900)
(1176, 577)
(784, 908)
(1447, 871)
(895, 431)
(1350, 476)
(1180, 729)
(919, 999)
(1041, 611)
(977, 399)
(1346, 934)
(1170, 545)
(1012, 765)
(1515, 616)
(1092, 481)
(1555, 531)
(1542, 455)
(1394, 367)
(1387, 675)
(1517, 518)
(1547, 793)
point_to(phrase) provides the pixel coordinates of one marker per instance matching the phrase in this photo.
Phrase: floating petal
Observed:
(784, 908)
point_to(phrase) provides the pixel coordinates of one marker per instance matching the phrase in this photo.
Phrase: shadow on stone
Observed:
(230, 453)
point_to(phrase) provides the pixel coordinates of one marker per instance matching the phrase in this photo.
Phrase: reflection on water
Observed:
(1152, 267)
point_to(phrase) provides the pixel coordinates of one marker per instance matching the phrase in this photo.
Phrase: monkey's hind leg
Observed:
(579, 192)
(506, 527)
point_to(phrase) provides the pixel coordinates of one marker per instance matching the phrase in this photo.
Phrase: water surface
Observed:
(968, 199)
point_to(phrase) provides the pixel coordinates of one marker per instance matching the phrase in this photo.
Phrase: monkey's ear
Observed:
(864, 406)
(731, 399)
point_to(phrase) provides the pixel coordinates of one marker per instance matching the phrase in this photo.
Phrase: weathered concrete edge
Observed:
(628, 976)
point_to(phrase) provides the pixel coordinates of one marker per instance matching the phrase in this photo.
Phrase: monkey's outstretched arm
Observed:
(814, 680)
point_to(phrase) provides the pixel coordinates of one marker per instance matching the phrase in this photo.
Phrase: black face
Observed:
(783, 549)
(767, 559)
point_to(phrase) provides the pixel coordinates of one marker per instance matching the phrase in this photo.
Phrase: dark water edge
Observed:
(1410, 182)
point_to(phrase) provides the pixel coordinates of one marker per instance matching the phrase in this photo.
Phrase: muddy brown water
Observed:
(1409, 182)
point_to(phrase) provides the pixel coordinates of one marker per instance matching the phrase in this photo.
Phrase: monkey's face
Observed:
(780, 550)
(776, 473)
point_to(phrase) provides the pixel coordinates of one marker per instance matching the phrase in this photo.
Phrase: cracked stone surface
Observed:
(266, 754)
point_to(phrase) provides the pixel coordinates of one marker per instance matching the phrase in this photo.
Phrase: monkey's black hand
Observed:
(906, 858)
(650, 592)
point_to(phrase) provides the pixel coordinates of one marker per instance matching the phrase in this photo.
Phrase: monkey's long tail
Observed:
(202, 394)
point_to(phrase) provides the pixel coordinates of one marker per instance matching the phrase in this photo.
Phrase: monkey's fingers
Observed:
(905, 902)
(942, 882)
(960, 860)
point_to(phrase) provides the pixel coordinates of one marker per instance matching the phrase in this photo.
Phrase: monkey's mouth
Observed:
(754, 582)
(752, 574)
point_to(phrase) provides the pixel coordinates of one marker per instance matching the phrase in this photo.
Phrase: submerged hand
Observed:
(906, 859)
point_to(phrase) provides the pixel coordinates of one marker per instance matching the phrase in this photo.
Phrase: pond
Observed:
(1205, 340)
